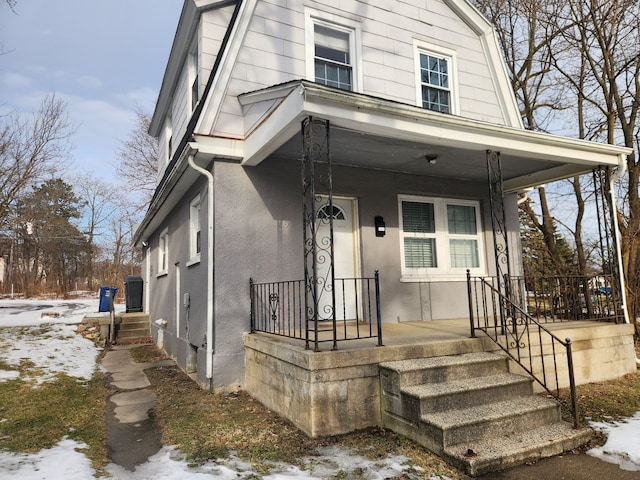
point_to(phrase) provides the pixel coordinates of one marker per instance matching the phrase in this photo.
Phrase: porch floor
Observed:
(420, 332)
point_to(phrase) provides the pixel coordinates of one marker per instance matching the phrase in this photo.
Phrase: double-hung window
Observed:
(436, 78)
(439, 237)
(163, 253)
(332, 45)
(332, 58)
(195, 237)
(194, 70)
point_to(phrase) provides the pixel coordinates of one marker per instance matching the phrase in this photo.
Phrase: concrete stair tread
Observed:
(404, 366)
(466, 385)
(478, 457)
(490, 412)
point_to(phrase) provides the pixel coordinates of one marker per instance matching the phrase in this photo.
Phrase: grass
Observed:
(209, 426)
(38, 417)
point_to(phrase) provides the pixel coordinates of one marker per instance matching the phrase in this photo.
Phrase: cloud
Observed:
(16, 80)
(89, 82)
(141, 97)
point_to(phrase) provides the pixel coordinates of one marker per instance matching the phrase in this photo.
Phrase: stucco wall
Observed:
(258, 234)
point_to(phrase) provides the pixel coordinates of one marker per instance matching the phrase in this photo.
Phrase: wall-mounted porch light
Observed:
(381, 228)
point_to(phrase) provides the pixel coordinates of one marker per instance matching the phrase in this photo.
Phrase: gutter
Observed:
(210, 252)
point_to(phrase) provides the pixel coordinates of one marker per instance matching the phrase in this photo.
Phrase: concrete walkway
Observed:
(132, 435)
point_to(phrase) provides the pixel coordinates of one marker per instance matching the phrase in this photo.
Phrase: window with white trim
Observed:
(439, 237)
(194, 70)
(333, 45)
(195, 242)
(163, 253)
(169, 137)
(436, 78)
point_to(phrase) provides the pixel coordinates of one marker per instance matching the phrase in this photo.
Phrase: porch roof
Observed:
(377, 133)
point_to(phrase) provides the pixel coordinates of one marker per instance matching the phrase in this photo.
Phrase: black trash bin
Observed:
(133, 293)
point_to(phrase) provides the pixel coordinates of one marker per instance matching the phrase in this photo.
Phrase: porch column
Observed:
(319, 274)
(498, 221)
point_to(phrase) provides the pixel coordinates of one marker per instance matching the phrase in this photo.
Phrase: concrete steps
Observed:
(132, 327)
(471, 411)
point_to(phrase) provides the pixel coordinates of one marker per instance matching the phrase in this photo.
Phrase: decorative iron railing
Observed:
(557, 299)
(523, 338)
(280, 308)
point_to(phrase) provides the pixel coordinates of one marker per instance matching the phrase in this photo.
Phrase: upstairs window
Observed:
(434, 83)
(436, 78)
(332, 58)
(332, 50)
(194, 70)
(439, 237)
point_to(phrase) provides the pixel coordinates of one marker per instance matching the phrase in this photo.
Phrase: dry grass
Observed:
(209, 426)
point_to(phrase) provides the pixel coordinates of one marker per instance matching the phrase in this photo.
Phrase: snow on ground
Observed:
(42, 332)
(623, 443)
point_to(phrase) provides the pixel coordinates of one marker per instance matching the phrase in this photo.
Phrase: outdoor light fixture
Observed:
(431, 158)
(381, 229)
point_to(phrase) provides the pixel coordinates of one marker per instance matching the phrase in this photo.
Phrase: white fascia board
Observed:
(219, 147)
(413, 123)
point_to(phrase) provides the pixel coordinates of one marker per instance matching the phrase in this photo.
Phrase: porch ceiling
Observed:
(376, 133)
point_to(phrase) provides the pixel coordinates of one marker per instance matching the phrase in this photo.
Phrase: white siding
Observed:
(273, 52)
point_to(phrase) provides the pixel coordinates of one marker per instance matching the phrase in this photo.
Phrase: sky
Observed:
(60, 349)
(105, 59)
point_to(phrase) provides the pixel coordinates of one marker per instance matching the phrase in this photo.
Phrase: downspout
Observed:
(210, 278)
(622, 169)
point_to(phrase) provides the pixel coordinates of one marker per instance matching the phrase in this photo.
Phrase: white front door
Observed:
(345, 259)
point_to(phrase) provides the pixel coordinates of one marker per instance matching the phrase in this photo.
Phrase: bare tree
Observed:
(30, 146)
(138, 159)
(101, 202)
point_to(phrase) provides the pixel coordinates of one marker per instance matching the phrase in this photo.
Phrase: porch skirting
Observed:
(334, 392)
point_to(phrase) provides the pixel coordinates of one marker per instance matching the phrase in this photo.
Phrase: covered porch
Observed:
(318, 338)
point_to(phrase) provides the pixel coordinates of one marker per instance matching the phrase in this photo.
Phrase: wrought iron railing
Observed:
(283, 308)
(557, 299)
(523, 338)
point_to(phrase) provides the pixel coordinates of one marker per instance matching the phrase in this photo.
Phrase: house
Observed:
(330, 163)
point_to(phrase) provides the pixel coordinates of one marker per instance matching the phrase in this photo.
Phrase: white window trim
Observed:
(194, 205)
(443, 272)
(449, 54)
(335, 22)
(163, 251)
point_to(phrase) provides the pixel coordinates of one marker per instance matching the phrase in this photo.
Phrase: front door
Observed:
(345, 259)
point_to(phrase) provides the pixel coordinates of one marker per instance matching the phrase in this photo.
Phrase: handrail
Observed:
(516, 332)
(279, 308)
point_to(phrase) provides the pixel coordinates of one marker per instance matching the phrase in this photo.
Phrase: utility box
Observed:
(133, 293)
(105, 301)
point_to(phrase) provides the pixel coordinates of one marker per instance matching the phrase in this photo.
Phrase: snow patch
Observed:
(623, 443)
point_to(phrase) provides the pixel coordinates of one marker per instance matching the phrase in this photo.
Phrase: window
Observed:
(439, 237)
(332, 45)
(195, 242)
(194, 70)
(169, 137)
(436, 69)
(163, 253)
(332, 59)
